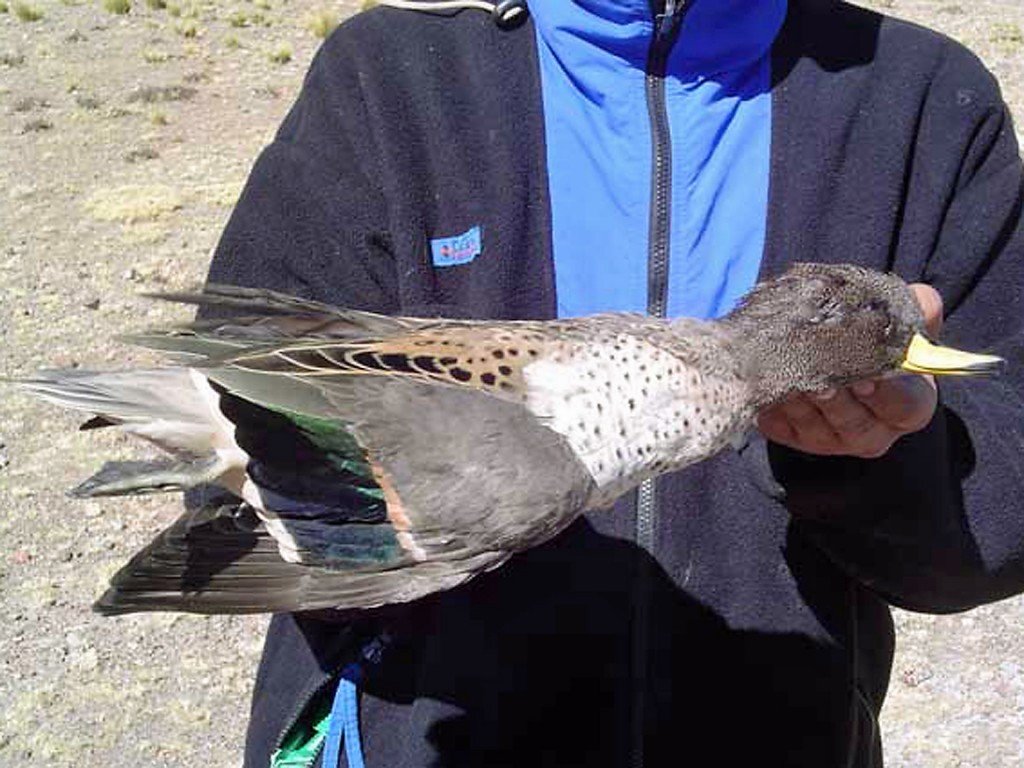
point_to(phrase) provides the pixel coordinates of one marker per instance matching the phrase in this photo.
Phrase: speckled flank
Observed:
(632, 409)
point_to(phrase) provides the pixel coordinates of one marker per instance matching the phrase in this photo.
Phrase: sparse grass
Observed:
(156, 5)
(231, 43)
(120, 7)
(153, 94)
(188, 30)
(322, 22)
(37, 126)
(281, 55)
(26, 12)
(4, 8)
(159, 118)
(30, 103)
(1007, 34)
(155, 57)
(174, 9)
(266, 92)
(239, 19)
(133, 203)
(12, 59)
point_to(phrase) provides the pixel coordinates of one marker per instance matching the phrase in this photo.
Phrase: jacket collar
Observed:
(715, 35)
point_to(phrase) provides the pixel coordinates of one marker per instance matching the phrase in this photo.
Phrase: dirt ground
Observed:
(124, 140)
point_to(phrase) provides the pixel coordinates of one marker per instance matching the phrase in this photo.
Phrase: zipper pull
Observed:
(667, 22)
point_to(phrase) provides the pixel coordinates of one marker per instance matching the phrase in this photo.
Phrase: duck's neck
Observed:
(772, 361)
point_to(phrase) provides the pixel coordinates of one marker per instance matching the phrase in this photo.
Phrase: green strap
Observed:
(302, 744)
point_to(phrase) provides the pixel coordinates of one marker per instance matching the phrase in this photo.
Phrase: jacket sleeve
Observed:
(310, 220)
(938, 523)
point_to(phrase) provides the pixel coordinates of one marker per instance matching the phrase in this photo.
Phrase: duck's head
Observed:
(827, 325)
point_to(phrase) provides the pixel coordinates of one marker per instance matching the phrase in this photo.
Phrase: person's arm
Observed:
(936, 523)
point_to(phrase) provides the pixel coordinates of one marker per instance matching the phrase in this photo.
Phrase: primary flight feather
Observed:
(377, 460)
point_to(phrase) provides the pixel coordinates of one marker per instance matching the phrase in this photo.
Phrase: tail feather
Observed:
(162, 405)
(260, 300)
(271, 315)
(125, 396)
(184, 342)
(123, 478)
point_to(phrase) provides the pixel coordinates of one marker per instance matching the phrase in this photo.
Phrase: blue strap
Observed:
(344, 723)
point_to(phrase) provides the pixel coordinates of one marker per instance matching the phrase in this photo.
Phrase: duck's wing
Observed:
(220, 559)
(401, 448)
(408, 488)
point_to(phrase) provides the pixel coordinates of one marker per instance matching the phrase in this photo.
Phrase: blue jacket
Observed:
(584, 160)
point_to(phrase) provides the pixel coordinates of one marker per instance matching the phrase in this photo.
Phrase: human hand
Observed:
(864, 419)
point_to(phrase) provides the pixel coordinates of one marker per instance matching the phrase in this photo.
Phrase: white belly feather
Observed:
(631, 410)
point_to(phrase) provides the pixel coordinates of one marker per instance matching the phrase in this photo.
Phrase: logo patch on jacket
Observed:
(460, 249)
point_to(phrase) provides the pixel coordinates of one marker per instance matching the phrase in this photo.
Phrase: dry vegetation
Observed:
(126, 131)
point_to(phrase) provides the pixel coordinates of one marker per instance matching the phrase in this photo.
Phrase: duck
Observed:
(372, 460)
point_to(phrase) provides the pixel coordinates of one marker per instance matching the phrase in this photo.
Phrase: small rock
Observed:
(36, 126)
(30, 103)
(912, 678)
(131, 275)
(92, 304)
(21, 557)
(140, 154)
(86, 660)
(12, 59)
(87, 102)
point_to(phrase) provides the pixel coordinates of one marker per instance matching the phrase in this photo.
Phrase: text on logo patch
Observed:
(460, 249)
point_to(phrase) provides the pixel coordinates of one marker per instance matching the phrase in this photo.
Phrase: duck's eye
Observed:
(875, 306)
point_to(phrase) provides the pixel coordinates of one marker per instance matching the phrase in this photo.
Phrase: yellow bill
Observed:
(925, 357)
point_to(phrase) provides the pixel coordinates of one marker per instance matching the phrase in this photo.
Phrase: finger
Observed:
(812, 431)
(845, 414)
(859, 431)
(780, 421)
(930, 302)
(774, 425)
(904, 403)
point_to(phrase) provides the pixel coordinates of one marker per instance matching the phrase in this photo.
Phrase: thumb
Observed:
(931, 305)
